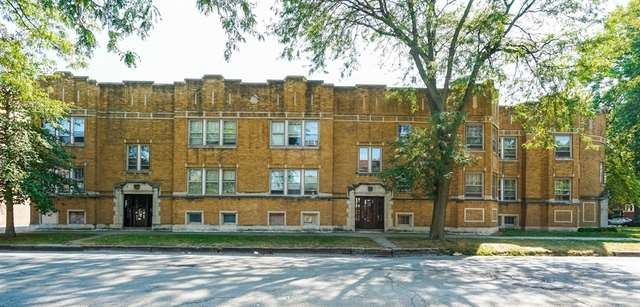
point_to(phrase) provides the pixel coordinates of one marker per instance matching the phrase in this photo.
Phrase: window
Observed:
(194, 217)
(212, 132)
(76, 217)
(508, 189)
(295, 133)
(202, 181)
(276, 219)
(138, 157)
(370, 160)
(294, 180)
(563, 146)
(404, 130)
(473, 185)
(562, 189)
(508, 221)
(473, 133)
(603, 175)
(229, 218)
(508, 148)
(494, 139)
(70, 130)
(404, 219)
(298, 182)
(76, 178)
(310, 219)
(495, 191)
(277, 133)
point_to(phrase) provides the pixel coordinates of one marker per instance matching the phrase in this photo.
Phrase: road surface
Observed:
(133, 279)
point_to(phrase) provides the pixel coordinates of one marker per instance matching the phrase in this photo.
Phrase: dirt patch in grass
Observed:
(517, 247)
(45, 238)
(230, 240)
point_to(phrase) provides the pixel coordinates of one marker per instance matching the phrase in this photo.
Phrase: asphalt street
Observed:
(133, 279)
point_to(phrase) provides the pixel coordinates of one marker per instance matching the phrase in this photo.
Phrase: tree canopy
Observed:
(610, 67)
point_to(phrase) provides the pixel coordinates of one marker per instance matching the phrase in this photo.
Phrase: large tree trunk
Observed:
(10, 229)
(439, 209)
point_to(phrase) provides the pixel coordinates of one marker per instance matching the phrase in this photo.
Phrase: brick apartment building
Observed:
(215, 154)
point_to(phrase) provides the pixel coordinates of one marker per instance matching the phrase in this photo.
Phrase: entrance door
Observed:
(137, 210)
(370, 212)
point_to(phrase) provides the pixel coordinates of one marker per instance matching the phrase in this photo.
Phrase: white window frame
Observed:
(186, 217)
(70, 175)
(411, 219)
(400, 129)
(316, 213)
(302, 181)
(204, 121)
(369, 159)
(516, 219)
(515, 187)
(84, 213)
(481, 185)
(222, 213)
(555, 192)
(501, 149)
(555, 151)
(286, 133)
(56, 131)
(203, 176)
(269, 213)
(138, 158)
(466, 140)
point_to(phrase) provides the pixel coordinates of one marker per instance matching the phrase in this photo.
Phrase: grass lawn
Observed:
(507, 247)
(231, 240)
(44, 238)
(620, 232)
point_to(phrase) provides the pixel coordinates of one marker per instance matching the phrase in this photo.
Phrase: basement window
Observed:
(276, 219)
(194, 217)
(77, 217)
(229, 218)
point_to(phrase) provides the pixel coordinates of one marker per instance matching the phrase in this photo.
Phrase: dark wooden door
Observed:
(137, 210)
(370, 212)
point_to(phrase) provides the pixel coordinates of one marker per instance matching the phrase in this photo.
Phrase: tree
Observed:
(33, 35)
(610, 67)
(449, 46)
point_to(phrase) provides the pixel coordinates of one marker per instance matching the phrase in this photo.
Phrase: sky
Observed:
(186, 44)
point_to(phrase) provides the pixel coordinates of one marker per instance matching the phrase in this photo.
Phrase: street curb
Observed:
(379, 252)
(627, 254)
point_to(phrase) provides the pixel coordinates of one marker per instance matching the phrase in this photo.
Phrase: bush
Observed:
(601, 229)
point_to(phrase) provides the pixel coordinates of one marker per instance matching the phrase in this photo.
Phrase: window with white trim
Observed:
(474, 136)
(69, 130)
(311, 219)
(206, 181)
(193, 218)
(212, 132)
(77, 217)
(404, 130)
(563, 146)
(369, 160)
(473, 185)
(508, 189)
(404, 219)
(296, 182)
(562, 189)
(76, 177)
(228, 218)
(295, 133)
(494, 139)
(508, 148)
(276, 219)
(495, 191)
(138, 157)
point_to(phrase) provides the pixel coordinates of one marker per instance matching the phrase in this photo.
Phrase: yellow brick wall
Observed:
(157, 114)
